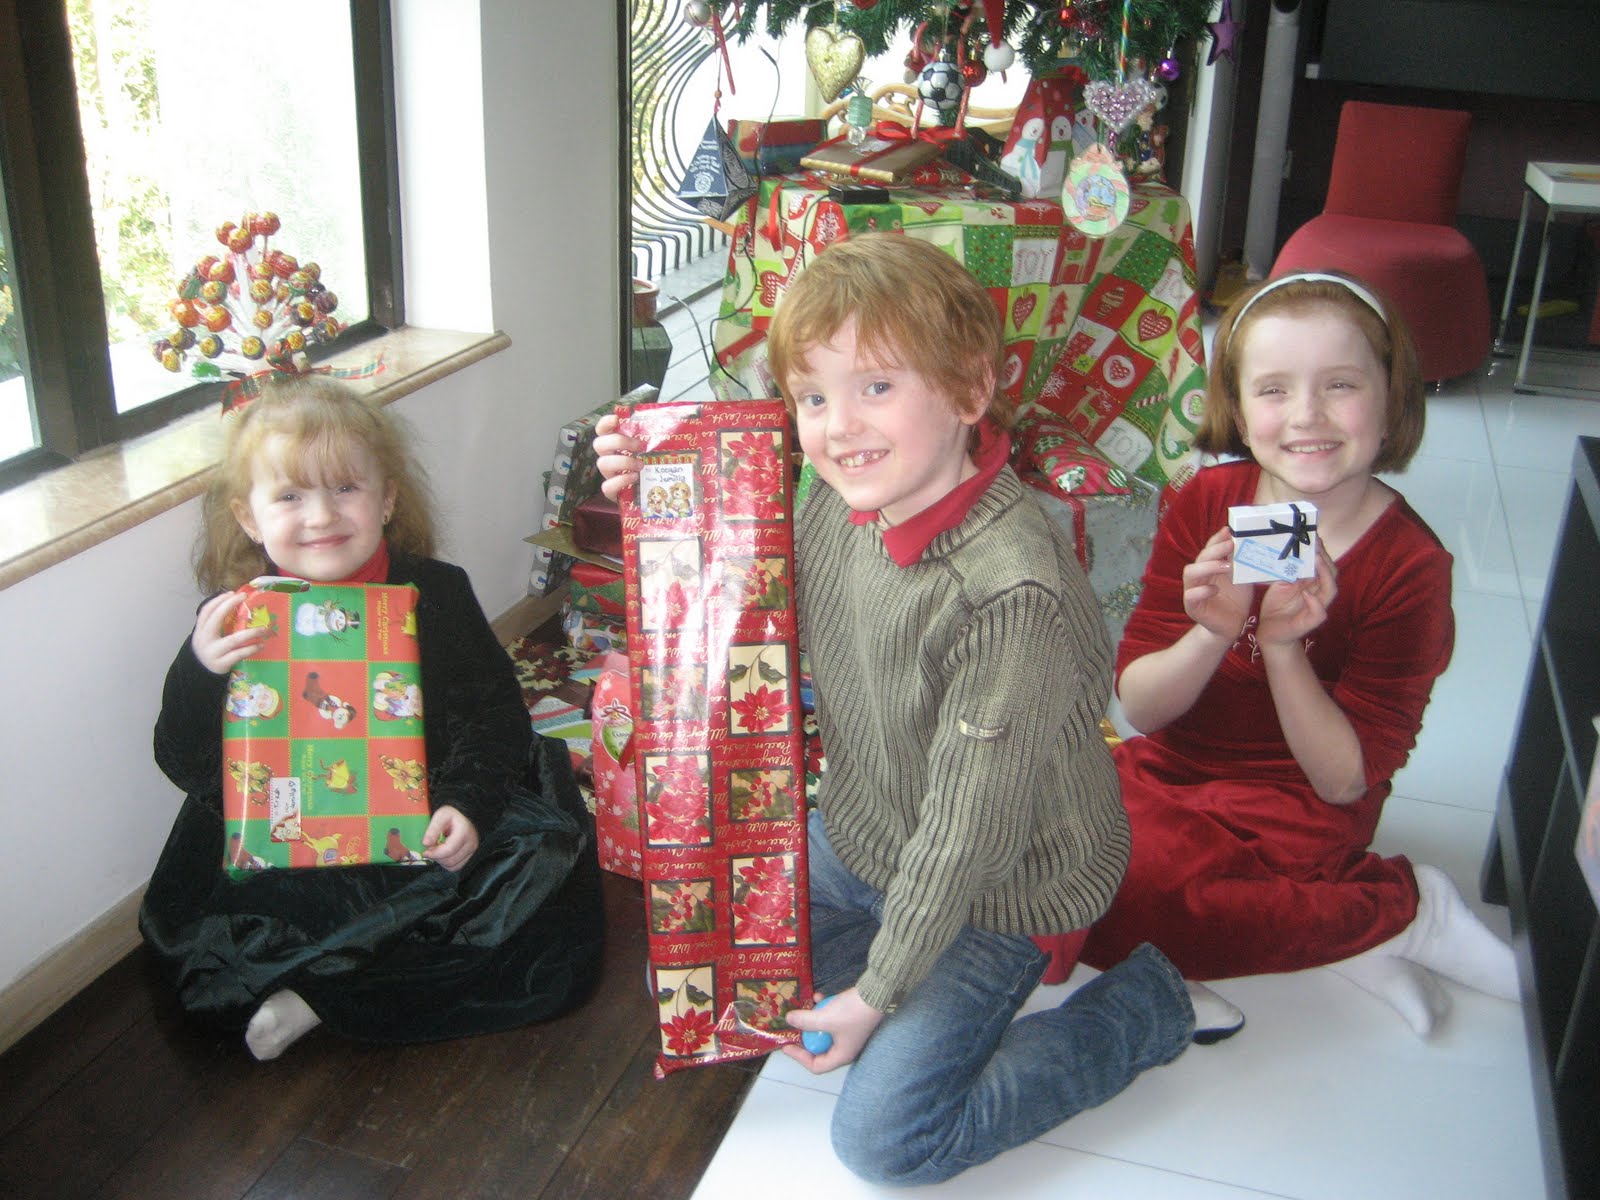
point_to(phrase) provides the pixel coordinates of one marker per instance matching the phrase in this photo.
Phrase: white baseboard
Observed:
(69, 969)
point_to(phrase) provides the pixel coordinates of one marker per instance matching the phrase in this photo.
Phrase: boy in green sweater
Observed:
(961, 668)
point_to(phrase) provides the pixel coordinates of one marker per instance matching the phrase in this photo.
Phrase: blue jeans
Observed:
(949, 1080)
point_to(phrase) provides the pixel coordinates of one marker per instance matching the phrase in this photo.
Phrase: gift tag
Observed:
(1095, 199)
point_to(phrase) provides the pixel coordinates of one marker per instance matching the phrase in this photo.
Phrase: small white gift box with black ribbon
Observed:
(1273, 543)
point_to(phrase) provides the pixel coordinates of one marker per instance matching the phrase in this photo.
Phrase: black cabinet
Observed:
(1531, 861)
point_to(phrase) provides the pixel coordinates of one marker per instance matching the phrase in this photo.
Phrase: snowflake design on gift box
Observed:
(753, 475)
(677, 799)
(682, 906)
(764, 901)
(761, 794)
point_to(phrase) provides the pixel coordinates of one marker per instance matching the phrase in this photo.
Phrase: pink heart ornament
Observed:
(1117, 104)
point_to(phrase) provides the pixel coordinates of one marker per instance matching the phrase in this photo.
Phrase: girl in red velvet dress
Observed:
(1275, 715)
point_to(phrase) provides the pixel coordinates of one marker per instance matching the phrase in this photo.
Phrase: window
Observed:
(130, 130)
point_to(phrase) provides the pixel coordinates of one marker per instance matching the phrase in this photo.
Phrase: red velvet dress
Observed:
(1238, 868)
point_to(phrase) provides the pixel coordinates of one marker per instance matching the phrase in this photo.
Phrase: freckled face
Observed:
(879, 434)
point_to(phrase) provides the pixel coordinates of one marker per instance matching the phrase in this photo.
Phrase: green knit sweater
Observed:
(959, 702)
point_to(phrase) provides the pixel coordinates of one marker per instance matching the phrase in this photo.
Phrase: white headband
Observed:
(1350, 285)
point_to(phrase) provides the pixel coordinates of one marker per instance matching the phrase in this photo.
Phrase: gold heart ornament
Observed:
(835, 60)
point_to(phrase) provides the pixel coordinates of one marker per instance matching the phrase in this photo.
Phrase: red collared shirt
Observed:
(907, 541)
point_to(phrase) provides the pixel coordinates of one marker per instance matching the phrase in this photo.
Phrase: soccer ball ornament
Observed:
(941, 85)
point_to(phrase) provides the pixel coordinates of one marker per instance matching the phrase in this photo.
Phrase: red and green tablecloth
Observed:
(1105, 332)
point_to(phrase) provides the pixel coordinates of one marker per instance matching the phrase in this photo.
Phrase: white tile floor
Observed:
(1326, 1094)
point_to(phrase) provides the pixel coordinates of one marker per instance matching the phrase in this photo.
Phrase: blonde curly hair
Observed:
(325, 422)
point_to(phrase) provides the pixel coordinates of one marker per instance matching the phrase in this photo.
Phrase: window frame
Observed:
(54, 264)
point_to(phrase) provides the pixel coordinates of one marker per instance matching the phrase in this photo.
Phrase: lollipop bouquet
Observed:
(249, 304)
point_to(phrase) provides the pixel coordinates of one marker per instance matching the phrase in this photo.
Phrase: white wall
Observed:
(83, 810)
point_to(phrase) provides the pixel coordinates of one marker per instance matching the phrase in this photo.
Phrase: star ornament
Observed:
(1224, 31)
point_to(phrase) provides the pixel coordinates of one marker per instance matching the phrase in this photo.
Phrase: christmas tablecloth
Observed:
(1103, 331)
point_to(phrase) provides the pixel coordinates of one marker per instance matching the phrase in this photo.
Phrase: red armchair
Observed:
(1389, 220)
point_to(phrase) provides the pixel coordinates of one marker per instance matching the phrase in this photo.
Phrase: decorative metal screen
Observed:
(673, 83)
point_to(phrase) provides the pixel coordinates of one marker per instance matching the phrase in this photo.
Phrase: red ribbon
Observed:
(239, 392)
(893, 131)
(722, 45)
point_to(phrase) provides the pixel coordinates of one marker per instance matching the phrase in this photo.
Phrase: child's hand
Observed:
(848, 1018)
(450, 839)
(615, 457)
(1210, 597)
(217, 651)
(1289, 611)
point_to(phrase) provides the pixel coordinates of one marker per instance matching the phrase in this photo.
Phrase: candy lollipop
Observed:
(255, 301)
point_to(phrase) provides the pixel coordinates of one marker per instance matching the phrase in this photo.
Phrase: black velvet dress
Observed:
(387, 953)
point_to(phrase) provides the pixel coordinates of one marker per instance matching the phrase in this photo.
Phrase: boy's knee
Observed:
(874, 1159)
(887, 1153)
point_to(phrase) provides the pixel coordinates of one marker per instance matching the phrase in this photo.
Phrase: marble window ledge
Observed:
(64, 512)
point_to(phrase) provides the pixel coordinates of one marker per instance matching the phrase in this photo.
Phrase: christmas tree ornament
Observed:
(924, 49)
(716, 182)
(1168, 69)
(1224, 32)
(998, 55)
(1095, 199)
(1117, 104)
(1035, 36)
(858, 116)
(697, 13)
(940, 85)
(834, 58)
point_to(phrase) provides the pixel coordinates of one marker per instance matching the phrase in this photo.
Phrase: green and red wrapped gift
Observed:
(323, 757)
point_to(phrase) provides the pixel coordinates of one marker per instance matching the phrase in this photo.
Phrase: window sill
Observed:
(49, 519)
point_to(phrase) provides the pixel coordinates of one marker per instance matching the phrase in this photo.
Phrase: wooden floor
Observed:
(117, 1095)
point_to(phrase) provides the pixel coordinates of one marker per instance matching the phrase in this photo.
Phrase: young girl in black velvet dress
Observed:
(504, 927)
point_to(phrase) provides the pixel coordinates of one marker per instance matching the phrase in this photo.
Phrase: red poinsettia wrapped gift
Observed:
(708, 549)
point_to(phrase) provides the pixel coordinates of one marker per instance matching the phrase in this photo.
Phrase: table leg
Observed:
(1520, 383)
(1501, 346)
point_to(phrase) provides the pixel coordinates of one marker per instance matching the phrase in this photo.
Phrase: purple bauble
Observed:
(1168, 69)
